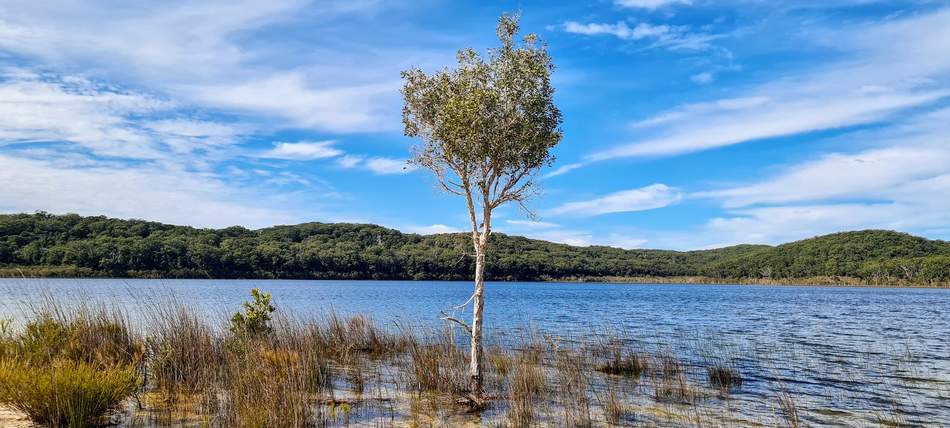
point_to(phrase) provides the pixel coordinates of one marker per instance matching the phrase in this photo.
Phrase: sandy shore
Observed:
(10, 418)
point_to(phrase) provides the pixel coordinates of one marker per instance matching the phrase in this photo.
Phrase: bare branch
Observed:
(457, 307)
(446, 317)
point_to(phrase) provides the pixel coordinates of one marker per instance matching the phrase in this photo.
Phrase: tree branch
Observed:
(446, 317)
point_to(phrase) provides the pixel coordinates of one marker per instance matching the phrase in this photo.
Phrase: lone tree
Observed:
(486, 127)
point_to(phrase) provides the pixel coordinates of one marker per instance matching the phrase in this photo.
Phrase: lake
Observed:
(837, 347)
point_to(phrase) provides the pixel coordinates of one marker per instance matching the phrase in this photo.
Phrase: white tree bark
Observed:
(478, 305)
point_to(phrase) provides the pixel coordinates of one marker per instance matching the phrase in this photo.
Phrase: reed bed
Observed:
(89, 366)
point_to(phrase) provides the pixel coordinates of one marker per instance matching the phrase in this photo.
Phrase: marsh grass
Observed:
(725, 378)
(619, 359)
(338, 370)
(69, 366)
(527, 384)
(669, 379)
(436, 364)
(65, 392)
(573, 375)
(610, 401)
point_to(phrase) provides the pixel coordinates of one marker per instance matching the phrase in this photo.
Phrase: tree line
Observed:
(101, 246)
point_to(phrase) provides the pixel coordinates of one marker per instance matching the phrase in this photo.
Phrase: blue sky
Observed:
(688, 123)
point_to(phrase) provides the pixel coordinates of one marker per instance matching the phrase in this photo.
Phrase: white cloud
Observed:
(529, 224)
(620, 29)
(199, 52)
(377, 165)
(34, 109)
(640, 199)
(776, 119)
(304, 150)
(102, 119)
(580, 238)
(676, 38)
(433, 229)
(384, 166)
(890, 67)
(649, 4)
(866, 174)
(624, 241)
(153, 193)
(787, 223)
(349, 161)
(356, 108)
(896, 183)
(703, 78)
(563, 169)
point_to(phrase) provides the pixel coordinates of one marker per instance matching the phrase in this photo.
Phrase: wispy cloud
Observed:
(892, 67)
(649, 4)
(677, 38)
(891, 185)
(563, 169)
(383, 166)
(102, 119)
(204, 52)
(160, 193)
(304, 150)
(640, 199)
(531, 224)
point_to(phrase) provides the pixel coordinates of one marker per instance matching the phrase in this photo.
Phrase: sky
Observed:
(688, 124)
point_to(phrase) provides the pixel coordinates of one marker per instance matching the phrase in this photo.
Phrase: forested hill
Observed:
(70, 245)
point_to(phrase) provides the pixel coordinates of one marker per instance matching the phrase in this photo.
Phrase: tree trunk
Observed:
(478, 304)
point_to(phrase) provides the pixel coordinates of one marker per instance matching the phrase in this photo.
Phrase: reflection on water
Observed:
(841, 351)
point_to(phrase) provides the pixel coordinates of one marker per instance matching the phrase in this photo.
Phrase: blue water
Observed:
(845, 348)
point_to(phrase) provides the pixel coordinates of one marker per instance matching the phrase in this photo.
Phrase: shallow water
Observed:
(850, 355)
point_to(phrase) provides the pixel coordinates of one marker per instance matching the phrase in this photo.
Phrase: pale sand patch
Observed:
(10, 418)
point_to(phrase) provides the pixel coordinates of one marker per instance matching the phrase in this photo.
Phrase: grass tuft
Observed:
(64, 392)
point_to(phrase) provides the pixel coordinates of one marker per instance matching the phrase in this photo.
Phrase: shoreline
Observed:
(71, 272)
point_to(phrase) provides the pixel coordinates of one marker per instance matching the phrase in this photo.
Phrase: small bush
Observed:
(63, 392)
(255, 321)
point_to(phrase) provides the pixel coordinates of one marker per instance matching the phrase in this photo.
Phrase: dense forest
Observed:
(43, 244)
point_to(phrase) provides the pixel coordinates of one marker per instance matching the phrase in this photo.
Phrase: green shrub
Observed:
(255, 321)
(63, 392)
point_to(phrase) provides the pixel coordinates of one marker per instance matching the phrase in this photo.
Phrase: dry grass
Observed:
(670, 383)
(725, 378)
(526, 385)
(573, 375)
(618, 359)
(436, 364)
(337, 370)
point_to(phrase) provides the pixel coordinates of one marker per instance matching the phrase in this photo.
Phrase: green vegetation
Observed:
(69, 368)
(255, 321)
(70, 245)
(65, 393)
